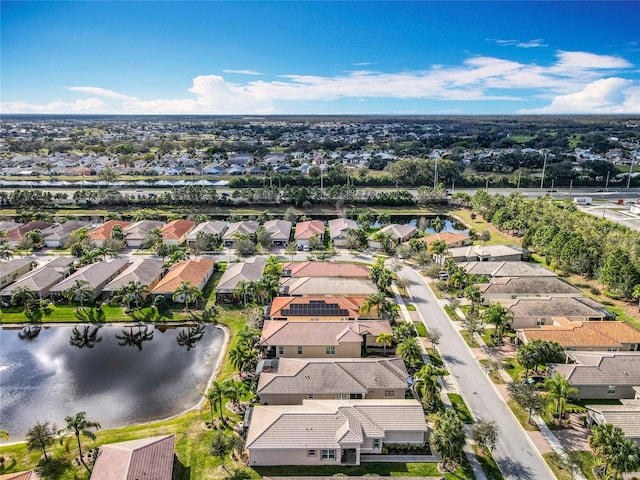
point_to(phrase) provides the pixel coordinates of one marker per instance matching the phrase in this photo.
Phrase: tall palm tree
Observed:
(497, 315)
(215, 395)
(448, 438)
(232, 390)
(439, 249)
(40, 436)
(375, 300)
(625, 457)
(78, 425)
(132, 292)
(6, 251)
(386, 340)
(559, 390)
(410, 351)
(427, 385)
(24, 296)
(474, 295)
(241, 290)
(603, 440)
(81, 290)
(188, 292)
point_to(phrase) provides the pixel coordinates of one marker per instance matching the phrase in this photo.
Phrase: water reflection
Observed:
(29, 332)
(189, 336)
(137, 338)
(85, 337)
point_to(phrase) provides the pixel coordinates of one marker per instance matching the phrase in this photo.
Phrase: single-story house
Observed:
(530, 312)
(97, 274)
(249, 270)
(491, 253)
(214, 227)
(6, 225)
(397, 233)
(452, 240)
(149, 458)
(625, 416)
(240, 159)
(14, 235)
(236, 229)
(145, 271)
(280, 231)
(102, 232)
(319, 308)
(517, 287)
(288, 381)
(175, 232)
(325, 269)
(506, 269)
(304, 286)
(586, 336)
(331, 432)
(601, 374)
(338, 228)
(306, 230)
(134, 233)
(59, 235)
(40, 280)
(322, 339)
(197, 272)
(11, 270)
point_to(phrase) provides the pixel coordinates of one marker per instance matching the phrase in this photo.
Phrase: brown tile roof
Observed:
(326, 269)
(279, 332)
(18, 233)
(30, 475)
(176, 229)
(103, 231)
(584, 334)
(447, 237)
(188, 271)
(352, 305)
(306, 230)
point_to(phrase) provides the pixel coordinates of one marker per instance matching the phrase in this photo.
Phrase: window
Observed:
(310, 396)
(376, 443)
(539, 321)
(328, 454)
(311, 453)
(342, 396)
(331, 350)
(612, 389)
(280, 350)
(389, 393)
(299, 350)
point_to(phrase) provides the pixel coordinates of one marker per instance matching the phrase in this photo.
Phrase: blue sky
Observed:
(320, 57)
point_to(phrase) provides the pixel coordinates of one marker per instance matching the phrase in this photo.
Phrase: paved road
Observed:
(515, 454)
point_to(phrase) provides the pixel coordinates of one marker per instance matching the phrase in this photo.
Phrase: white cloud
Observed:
(572, 78)
(362, 64)
(608, 95)
(243, 72)
(535, 43)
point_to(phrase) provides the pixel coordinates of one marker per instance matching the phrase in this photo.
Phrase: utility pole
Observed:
(570, 187)
(435, 175)
(606, 185)
(519, 175)
(544, 167)
(629, 177)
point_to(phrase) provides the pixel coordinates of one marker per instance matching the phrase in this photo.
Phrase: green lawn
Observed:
(420, 328)
(522, 415)
(514, 369)
(461, 408)
(488, 464)
(469, 339)
(584, 460)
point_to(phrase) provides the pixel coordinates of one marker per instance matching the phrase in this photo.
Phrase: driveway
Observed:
(515, 454)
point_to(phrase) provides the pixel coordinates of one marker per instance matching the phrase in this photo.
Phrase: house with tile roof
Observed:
(318, 308)
(322, 339)
(306, 230)
(397, 233)
(195, 271)
(249, 270)
(529, 312)
(13, 269)
(146, 458)
(96, 274)
(451, 239)
(331, 432)
(600, 375)
(14, 235)
(6, 225)
(331, 286)
(325, 269)
(288, 381)
(61, 234)
(175, 232)
(40, 280)
(501, 288)
(605, 336)
(280, 231)
(480, 253)
(625, 416)
(145, 271)
(102, 232)
(29, 475)
(243, 228)
(338, 228)
(214, 227)
(134, 234)
(499, 269)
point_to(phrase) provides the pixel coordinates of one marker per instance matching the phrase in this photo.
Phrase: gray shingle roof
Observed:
(603, 368)
(249, 271)
(43, 277)
(95, 273)
(144, 271)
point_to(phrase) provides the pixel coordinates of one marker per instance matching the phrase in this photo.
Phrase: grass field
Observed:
(461, 408)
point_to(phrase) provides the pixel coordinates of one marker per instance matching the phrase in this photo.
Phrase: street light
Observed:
(544, 167)
(629, 177)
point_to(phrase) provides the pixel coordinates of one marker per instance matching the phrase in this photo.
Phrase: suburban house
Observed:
(452, 240)
(322, 339)
(530, 312)
(150, 458)
(214, 227)
(145, 271)
(102, 232)
(516, 287)
(625, 416)
(397, 234)
(601, 374)
(59, 235)
(306, 230)
(288, 381)
(40, 280)
(305, 286)
(331, 432)
(11, 270)
(236, 229)
(197, 272)
(175, 232)
(320, 308)
(338, 228)
(609, 336)
(28, 475)
(14, 235)
(248, 271)
(6, 225)
(506, 269)
(492, 253)
(280, 231)
(134, 233)
(96, 274)
(325, 269)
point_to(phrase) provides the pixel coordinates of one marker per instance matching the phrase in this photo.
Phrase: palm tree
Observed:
(439, 249)
(132, 292)
(559, 391)
(215, 395)
(386, 340)
(497, 315)
(410, 351)
(625, 457)
(448, 438)
(375, 300)
(188, 292)
(603, 440)
(232, 390)
(269, 286)
(78, 425)
(474, 295)
(428, 386)
(24, 296)
(41, 436)
(81, 290)
(6, 251)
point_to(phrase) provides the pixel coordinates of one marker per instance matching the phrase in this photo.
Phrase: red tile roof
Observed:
(192, 271)
(18, 233)
(104, 231)
(326, 269)
(306, 230)
(176, 229)
(585, 334)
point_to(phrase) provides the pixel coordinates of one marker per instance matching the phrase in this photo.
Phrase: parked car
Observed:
(533, 380)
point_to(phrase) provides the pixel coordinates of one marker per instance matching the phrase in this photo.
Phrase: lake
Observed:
(119, 375)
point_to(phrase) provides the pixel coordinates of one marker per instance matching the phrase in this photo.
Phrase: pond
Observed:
(119, 375)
